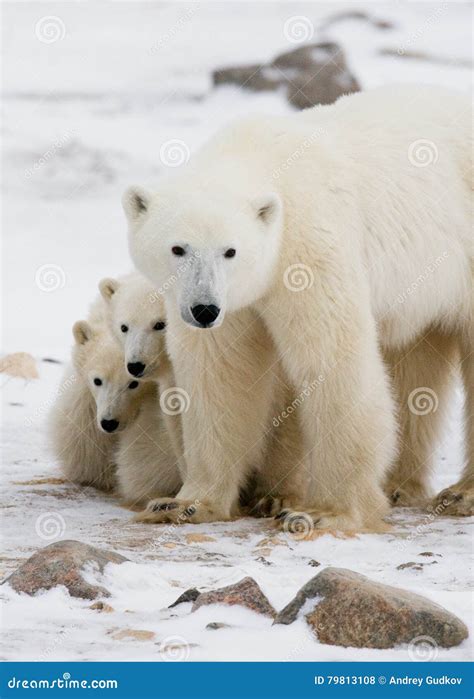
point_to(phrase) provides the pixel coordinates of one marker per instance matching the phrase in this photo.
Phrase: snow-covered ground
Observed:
(84, 116)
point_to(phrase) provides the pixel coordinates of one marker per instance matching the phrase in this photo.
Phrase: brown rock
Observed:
(245, 593)
(352, 610)
(61, 563)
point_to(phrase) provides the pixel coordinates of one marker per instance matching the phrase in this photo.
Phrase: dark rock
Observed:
(352, 610)
(314, 563)
(311, 57)
(215, 625)
(429, 554)
(245, 593)
(188, 596)
(62, 563)
(410, 564)
(252, 77)
(323, 86)
(312, 74)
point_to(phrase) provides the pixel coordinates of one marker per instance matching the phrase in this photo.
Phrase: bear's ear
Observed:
(108, 287)
(135, 202)
(82, 332)
(268, 207)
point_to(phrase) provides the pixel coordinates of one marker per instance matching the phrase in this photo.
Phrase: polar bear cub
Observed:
(136, 317)
(98, 403)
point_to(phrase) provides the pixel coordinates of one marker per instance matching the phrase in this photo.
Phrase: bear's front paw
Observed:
(171, 511)
(301, 524)
(269, 506)
(456, 501)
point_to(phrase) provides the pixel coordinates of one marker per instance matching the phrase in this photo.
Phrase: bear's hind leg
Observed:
(422, 376)
(458, 500)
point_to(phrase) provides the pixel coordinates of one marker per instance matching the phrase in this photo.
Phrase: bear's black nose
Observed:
(205, 315)
(109, 425)
(136, 368)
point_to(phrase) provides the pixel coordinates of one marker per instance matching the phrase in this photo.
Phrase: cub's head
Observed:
(98, 359)
(136, 317)
(210, 254)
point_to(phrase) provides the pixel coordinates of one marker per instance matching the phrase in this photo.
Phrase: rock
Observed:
(61, 563)
(215, 625)
(314, 564)
(324, 86)
(347, 609)
(188, 596)
(311, 57)
(246, 593)
(102, 607)
(252, 77)
(312, 74)
(410, 564)
(132, 635)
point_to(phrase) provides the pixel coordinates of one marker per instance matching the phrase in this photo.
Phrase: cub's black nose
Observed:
(109, 425)
(205, 315)
(136, 368)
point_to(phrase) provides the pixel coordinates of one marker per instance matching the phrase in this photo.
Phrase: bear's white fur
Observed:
(347, 229)
(82, 446)
(135, 314)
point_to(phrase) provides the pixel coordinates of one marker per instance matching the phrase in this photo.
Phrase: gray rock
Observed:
(311, 74)
(187, 596)
(252, 77)
(62, 563)
(347, 609)
(246, 593)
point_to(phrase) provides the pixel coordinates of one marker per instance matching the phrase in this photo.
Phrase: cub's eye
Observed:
(160, 325)
(133, 384)
(124, 328)
(178, 250)
(230, 252)
(98, 382)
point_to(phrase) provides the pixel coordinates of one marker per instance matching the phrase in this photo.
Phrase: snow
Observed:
(85, 116)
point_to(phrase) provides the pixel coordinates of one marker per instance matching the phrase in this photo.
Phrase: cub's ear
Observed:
(108, 287)
(82, 332)
(135, 202)
(268, 207)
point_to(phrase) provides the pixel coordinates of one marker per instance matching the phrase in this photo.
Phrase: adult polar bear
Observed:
(369, 200)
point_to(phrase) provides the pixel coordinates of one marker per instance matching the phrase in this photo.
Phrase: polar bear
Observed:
(96, 401)
(107, 429)
(135, 314)
(346, 228)
(263, 455)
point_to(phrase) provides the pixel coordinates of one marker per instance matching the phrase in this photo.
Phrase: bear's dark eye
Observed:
(133, 384)
(124, 328)
(98, 382)
(230, 252)
(178, 250)
(160, 325)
